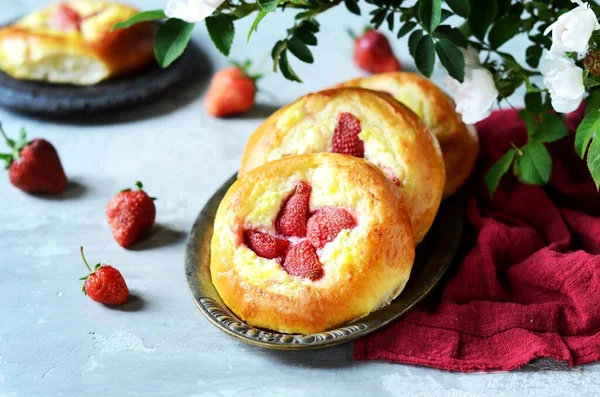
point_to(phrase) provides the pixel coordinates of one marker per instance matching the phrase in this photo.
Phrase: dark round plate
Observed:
(434, 256)
(60, 100)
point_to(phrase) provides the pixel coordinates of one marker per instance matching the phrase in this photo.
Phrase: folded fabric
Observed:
(528, 283)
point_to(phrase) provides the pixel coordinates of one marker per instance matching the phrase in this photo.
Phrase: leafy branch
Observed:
(485, 25)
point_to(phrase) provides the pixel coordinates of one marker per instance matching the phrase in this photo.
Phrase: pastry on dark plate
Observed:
(73, 43)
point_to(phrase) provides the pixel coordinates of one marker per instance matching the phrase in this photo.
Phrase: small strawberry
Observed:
(345, 136)
(130, 215)
(326, 223)
(104, 284)
(265, 245)
(232, 90)
(301, 260)
(294, 213)
(34, 166)
(65, 18)
(373, 53)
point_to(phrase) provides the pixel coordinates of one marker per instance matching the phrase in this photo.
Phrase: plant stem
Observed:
(8, 141)
(84, 261)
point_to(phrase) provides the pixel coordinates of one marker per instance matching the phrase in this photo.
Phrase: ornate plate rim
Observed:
(451, 211)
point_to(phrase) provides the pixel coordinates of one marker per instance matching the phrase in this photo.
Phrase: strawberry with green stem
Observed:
(131, 215)
(373, 53)
(34, 166)
(232, 90)
(104, 284)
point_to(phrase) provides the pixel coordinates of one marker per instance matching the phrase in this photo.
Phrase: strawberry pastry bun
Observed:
(459, 142)
(365, 124)
(309, 242)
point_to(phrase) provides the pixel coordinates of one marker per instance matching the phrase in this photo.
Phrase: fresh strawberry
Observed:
(34, 166)
(104, 284)
(301, 260)
(373, 53)
(231, 91)
(130, 215)
(265, 245)
(345, 136)
(326, 223)
(66, 18)
(294, 213)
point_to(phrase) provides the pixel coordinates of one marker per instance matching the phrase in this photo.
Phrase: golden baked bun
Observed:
(306, 243)
(458, 141)
(72, 43)
(365, 124)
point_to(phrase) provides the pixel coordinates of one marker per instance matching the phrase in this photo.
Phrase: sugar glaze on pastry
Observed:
(353, 257)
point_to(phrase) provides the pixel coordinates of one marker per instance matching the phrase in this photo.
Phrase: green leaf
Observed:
(446, 14)
(452, 59)
(503, 7)
(221, 32)
(430, 13)
(589, 126)
(591, 82)
(307, 37)
(352, 6)
(300, 50)
(592, 102)
(276, 52)
(171, 39)
(460, 7)
(481, 15)
(268, 5)
(452, 34)
(530, 121)
(535, 165)
(503, 30)
(552, 128)
(593, 161)
(144, 16)
(254, 27)
(497, 171)
(390, 21)
(407, 27)
(413, 40)
(378, 17)
(286, 69)
(533, 102)
(311, 25)
(425, 56)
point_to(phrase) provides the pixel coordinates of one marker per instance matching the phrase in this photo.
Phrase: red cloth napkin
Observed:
(529, 283)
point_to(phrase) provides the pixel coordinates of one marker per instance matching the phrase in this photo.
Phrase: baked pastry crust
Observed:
(365, 268)
(42, 46)
(395, 139)
(459, 142)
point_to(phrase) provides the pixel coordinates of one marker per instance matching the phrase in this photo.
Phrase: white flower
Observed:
(476, 95)
(564, 80)
(192, 11)
(573, 29)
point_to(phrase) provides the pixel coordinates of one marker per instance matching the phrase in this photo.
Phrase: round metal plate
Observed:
(62, 100)
(434, 256)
